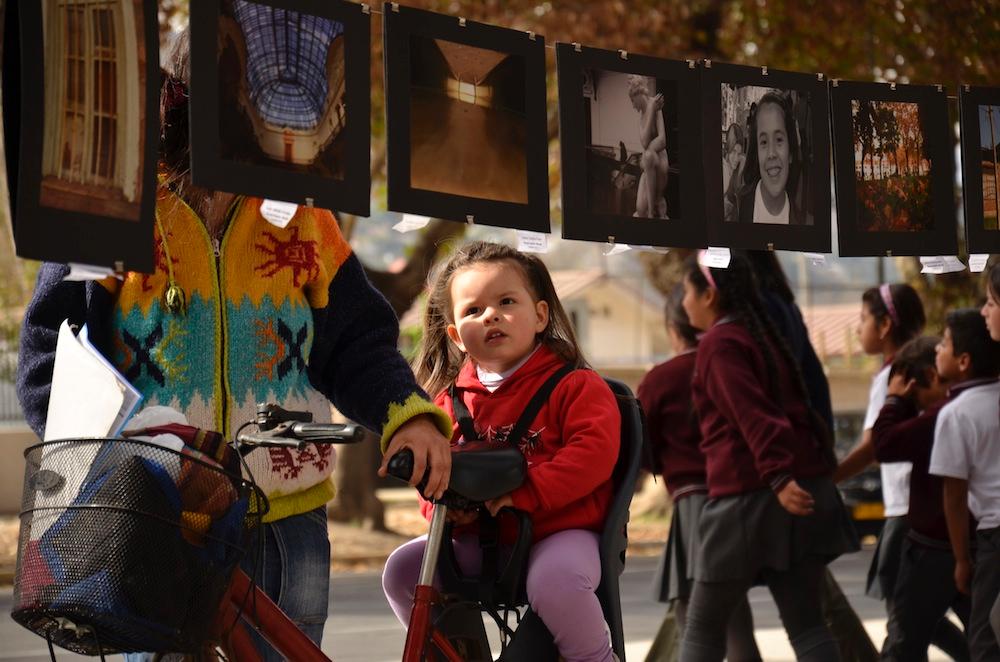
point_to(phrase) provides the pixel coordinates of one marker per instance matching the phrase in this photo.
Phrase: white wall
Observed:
(621, 329)
(612, 116)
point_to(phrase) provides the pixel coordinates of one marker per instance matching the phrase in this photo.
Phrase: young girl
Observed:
(496, 330)
(772, 165)
(665, 394)
(772, 511)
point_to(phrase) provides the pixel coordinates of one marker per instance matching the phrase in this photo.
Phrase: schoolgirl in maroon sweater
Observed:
(773, 514)
(494, 330)
(674, 438)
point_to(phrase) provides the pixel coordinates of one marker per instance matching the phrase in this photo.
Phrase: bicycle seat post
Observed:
(429, 563)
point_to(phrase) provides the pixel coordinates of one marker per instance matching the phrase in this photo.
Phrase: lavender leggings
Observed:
(564, 569)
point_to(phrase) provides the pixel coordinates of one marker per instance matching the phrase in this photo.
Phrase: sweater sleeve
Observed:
(53, 301)
(590, 427)
(649, 396)
(741, 397)
(897, 430)
(354, 360)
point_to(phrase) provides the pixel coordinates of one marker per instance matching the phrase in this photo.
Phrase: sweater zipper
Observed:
(217, 244)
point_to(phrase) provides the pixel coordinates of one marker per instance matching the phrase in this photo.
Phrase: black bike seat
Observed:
(481, 475)
(476, 475)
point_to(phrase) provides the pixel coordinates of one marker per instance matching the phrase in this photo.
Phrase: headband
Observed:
(886, 293)
(705, 270)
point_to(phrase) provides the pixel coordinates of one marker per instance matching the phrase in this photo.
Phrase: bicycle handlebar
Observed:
(296, 434)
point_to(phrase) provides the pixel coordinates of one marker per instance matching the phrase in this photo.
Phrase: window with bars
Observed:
(88, 55)
(286, 63)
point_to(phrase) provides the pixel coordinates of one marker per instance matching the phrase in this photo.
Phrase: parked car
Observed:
(862, 494)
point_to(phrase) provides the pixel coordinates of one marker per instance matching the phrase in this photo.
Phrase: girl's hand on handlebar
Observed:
(462, 517)
(495, 505)
(429, 447)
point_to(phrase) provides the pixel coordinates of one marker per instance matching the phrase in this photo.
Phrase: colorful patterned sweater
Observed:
(273, 314)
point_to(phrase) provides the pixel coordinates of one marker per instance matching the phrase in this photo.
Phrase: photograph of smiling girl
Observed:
(766, 155)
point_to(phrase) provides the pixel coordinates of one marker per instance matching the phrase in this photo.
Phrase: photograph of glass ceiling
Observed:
(286, 63)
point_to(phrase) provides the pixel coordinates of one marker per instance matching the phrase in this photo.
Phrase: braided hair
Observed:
(739, 296)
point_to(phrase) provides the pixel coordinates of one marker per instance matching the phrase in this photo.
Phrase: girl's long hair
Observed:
(993, 281)
(438, 360)
(739, 296)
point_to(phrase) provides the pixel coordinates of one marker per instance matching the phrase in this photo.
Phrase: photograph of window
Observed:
(282, 73)
(467, 120)
(979, 110)
(633, 132)
(989, 132)
(891, 167)
(94, 61)
(767, 156)
(894, 169)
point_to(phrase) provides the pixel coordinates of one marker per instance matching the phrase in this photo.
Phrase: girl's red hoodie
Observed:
(571, 447)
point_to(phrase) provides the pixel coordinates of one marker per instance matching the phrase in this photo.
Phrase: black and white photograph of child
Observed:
(767, 155)
(468, 120)
(94, 63)
(282, 85)
(631, 126)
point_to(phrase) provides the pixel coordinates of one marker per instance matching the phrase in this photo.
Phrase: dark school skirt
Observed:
(885, 561)
(675, 573)
(743, 536)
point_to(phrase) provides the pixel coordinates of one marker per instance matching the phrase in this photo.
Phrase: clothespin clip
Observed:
(763, 71)
(819, 76)
(365, 9)
(120, 266)
(836, 82)
(892, 86)
(577, 47)
(395, 7)
(967, 87)
(940, 88)
(623, 53)
(531, 35)
(470, 219)
(888, 252)
(461, 22)
(770, 246)
(611, 239)
(690, 64)
(708, 64)
(309, 202)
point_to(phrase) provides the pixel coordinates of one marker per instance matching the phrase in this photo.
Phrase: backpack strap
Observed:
(462, 415)
(464, 418)
(536, 403)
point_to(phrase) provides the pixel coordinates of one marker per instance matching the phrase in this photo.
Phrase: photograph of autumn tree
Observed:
(989, 143)
(891, 166)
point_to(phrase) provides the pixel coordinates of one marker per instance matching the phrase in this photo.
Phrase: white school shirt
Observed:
(762, 215)
(967, 446)
(895, 475)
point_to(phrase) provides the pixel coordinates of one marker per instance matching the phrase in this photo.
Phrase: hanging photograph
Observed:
(466, 124)
(271, 81)
(894, 170)
(979, 108)
(10, 112)
(630, 162)
(766, 158)
(88, 147)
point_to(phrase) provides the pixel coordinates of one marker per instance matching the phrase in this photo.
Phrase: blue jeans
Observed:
(293, 569)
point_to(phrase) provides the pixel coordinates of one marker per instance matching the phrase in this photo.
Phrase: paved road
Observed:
(362, 629)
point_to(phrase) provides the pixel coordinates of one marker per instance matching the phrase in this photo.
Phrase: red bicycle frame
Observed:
(421, 631)
(249, 604)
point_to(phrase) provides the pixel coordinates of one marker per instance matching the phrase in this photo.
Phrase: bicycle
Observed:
(116, 484)
(478, 476)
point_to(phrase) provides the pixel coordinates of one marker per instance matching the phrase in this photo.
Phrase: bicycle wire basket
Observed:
(127, 545)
